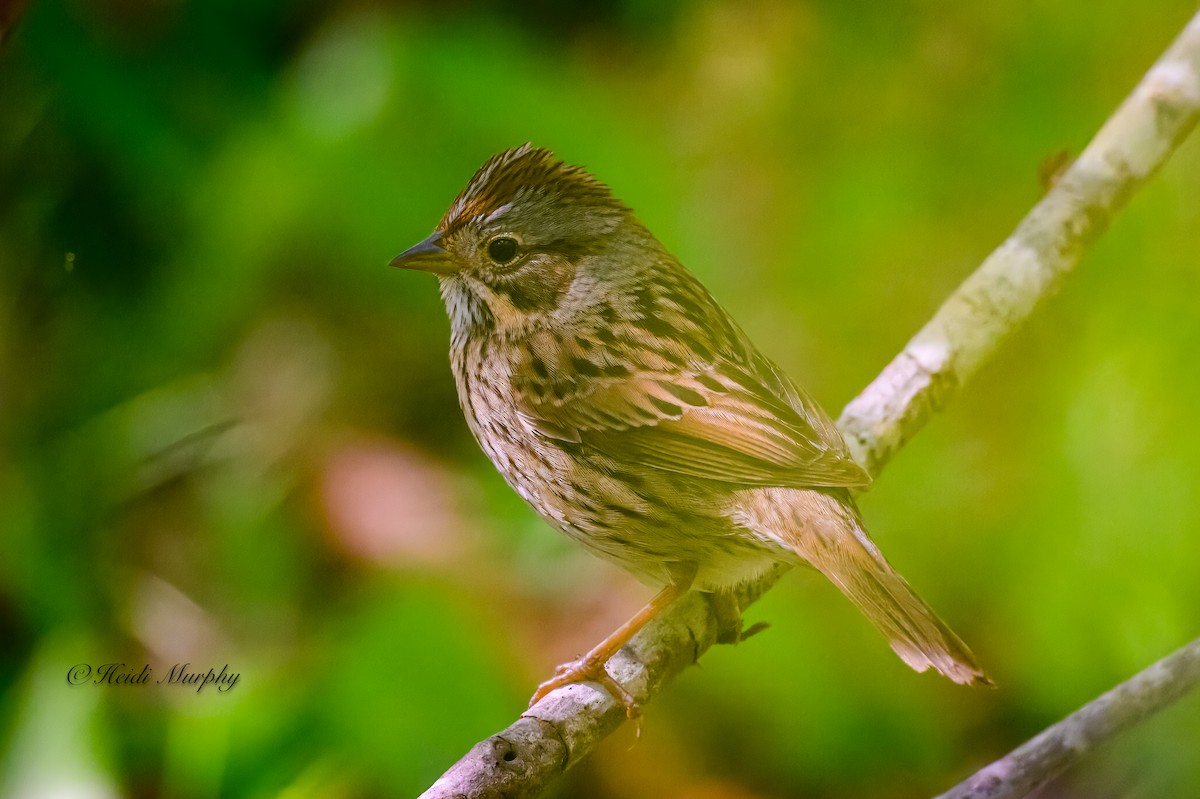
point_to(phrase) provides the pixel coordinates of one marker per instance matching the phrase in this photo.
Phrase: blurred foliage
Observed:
(228, 433)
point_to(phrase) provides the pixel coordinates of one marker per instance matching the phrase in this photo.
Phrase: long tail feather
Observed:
(827, 533)
(910, 626)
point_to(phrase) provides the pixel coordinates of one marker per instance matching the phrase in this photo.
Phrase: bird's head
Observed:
(523, 232)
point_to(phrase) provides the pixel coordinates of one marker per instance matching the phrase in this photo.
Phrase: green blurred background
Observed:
(229, 435)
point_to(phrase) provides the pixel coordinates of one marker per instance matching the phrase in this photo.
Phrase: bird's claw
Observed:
(587, 671)
(730, 629)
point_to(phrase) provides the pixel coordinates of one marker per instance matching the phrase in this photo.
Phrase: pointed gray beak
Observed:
(427, 256)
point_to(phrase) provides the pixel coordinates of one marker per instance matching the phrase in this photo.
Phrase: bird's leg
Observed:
(728, 612)
(590, 667)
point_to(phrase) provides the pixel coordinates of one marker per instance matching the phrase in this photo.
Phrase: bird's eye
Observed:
(502, 249)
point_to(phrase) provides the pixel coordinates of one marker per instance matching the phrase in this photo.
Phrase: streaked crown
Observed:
(529, 178)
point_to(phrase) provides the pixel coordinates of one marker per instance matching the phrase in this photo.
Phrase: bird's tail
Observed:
(842, 551)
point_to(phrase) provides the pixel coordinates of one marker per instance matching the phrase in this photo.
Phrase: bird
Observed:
(619, 399)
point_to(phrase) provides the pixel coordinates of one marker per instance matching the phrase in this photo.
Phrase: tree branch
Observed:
(972, 324)
(1028, 267)
(1044, 756)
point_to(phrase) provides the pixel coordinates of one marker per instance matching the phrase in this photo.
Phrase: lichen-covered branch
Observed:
(551, 737)
(1027, 268)
(974, 322)
(1044, 756)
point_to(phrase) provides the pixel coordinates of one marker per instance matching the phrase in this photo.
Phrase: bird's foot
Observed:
(587, 670)
(730, 627)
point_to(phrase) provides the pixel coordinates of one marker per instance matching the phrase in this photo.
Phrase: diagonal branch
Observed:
(1028, 267)
(1042, 757)
(969, 327)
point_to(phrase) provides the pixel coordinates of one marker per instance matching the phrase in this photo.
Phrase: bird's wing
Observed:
(724, 424)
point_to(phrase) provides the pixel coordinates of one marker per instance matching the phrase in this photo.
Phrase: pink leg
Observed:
(590, 667)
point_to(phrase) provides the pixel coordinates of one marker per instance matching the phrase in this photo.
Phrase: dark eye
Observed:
(502, 249)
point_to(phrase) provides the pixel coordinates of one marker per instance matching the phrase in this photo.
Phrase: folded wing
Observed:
(750, 428)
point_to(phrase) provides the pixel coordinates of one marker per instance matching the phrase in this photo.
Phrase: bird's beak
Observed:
(427, 256)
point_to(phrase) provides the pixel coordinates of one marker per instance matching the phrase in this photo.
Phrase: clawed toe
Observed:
(584, 671)
(729, 620)
(752, 630)
(590, 667)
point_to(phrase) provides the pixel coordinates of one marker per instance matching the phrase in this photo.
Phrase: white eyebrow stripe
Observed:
(497, 212)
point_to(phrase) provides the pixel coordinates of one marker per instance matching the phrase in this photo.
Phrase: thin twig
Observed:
(1045, 755)
(989, 306)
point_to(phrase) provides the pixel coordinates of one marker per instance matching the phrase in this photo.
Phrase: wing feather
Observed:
(722, 424)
